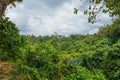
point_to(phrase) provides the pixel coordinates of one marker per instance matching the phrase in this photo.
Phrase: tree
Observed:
(10, 41)
(111, 7)
(4, 4)
(10, 38)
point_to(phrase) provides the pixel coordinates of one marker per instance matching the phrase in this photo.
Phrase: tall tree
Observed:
(4, 4)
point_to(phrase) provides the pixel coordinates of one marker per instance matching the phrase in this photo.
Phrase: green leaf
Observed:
(76, 11)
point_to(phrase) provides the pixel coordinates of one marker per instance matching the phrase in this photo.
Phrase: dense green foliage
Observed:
(10, 41)
(56, 57)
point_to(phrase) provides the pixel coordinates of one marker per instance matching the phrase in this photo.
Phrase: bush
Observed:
(10, 41)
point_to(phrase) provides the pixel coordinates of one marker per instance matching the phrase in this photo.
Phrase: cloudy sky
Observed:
(44, 17)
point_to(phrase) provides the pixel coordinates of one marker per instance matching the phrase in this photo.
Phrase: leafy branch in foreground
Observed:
(110, 7)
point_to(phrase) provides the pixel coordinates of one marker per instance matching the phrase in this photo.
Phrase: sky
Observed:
(44, 17)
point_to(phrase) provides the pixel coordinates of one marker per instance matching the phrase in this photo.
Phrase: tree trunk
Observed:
(3, 6)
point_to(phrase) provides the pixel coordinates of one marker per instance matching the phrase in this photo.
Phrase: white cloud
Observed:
(42, 18)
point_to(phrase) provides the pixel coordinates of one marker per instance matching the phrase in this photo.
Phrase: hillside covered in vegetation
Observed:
(56, 57)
